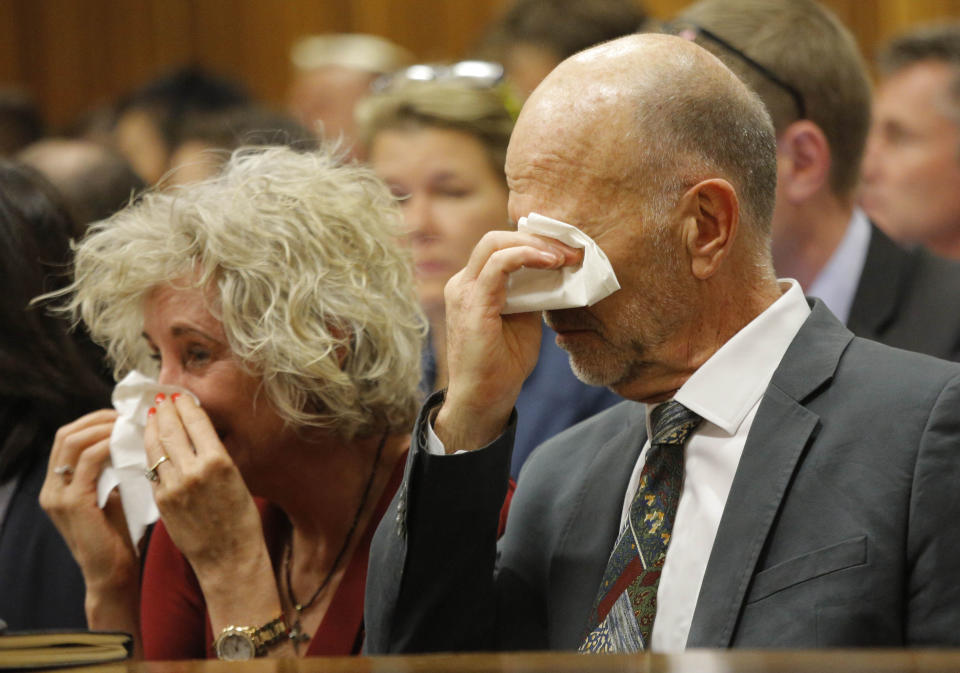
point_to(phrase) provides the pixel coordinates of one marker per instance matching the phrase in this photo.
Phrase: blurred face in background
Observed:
(911, 170)
(323, 99)
(527, 64)
(451, 196)
(138, 139)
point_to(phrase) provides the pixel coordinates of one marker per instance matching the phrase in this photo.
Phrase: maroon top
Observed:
(173, 614)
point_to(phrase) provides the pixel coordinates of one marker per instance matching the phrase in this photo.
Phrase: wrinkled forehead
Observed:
(572, 177)
(569, 179)
(588, 137)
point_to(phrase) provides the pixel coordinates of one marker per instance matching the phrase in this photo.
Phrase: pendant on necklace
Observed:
(297, 634)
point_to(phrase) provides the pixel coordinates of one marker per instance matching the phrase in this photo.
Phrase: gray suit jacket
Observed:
(908, 298)
(841, 527)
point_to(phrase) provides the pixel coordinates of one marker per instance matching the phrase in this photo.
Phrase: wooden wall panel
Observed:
(893, 16)
(170, 30)
(432, 29)
(11, 70)
(73, 54)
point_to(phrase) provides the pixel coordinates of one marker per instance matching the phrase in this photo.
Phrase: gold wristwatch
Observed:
(236, 643)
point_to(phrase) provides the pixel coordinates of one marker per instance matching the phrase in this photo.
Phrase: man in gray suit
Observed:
(818, 501)
(806, 67)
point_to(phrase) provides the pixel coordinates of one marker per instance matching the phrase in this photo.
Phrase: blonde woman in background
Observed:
(275, 293)
(441, 145)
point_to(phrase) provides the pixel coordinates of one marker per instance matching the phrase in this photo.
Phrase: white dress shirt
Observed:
(726, 391)
(837, 282)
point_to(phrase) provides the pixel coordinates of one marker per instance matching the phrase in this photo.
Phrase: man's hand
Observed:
(488, 355)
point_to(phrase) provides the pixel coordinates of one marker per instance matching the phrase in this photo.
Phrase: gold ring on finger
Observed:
(152, 474)
(65, 471)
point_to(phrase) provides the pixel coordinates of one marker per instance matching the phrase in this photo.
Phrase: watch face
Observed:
(235, 646)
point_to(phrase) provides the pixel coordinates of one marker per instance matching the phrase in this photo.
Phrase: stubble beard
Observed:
(598, 361)
(645, 328)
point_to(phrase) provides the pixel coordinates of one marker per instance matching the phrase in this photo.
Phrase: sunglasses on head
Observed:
(482, 74)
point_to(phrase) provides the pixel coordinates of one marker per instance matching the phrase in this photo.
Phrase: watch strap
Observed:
(270, 634)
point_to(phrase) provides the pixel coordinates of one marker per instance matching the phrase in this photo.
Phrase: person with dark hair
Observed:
(149, 119)
(533, 36)
(206, 139)
(94, 180)
(20, 121)
(48, 375)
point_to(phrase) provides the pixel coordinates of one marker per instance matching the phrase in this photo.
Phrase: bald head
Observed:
(654, 114)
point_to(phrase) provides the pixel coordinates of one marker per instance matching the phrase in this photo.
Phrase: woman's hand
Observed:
(97, 538)
(210, 515)
(203, 500)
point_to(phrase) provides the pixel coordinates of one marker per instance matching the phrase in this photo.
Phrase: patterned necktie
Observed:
(622, 616)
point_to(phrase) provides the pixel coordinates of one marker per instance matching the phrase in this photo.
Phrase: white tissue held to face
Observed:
(132, 398)
(568, 287)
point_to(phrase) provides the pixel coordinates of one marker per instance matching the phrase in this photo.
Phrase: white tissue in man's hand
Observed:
(132, 398)
(567, 287)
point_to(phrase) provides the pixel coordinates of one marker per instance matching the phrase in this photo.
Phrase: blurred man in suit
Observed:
(806, 67)
(911, 172)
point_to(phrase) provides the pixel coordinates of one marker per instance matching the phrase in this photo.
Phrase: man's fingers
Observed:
(541, 253)
(492, 279)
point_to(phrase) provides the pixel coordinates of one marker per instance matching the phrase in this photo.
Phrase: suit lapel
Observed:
(781, 430)
(577, 569)
(883, 283)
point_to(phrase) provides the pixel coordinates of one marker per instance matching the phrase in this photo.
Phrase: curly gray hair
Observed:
(314, 292)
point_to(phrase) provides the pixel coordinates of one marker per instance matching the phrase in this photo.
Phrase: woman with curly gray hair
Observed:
(277, 294)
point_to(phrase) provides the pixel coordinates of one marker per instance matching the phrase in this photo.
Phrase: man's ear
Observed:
(711, 216)
(803, 155)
